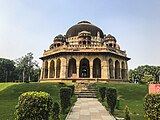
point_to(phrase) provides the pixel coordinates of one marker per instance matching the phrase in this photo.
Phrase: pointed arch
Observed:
(96, 68)
(84, 68)
(46, 69)
(52, 69)
(72, 67)
(117, 70)
(58, 68)
(111, 68)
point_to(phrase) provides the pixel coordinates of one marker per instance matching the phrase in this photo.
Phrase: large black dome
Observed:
(84, 26)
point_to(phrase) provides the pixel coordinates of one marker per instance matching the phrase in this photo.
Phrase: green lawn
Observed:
(131, 95)
(9, 93)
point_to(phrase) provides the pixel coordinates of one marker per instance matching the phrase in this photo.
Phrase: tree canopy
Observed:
(23, 69)
(145, 73)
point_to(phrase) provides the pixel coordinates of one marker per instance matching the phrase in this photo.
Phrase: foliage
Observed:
(55, 111)
(102, 92)
(126, 113)
(33, 106)
(7, 68)
(138, 74)
(111, 98)
(72, 87)
(152, 106)
(25, 66)
(148, 78)
(65, 98)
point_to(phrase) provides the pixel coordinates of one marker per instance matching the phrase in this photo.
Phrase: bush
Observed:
(102, 92)
(111, 98)
(72, 87)
(33, 106)
(65, 98)
(152, 106)
(55, 111)
(126, 113)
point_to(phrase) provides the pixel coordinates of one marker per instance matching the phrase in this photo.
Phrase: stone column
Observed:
(42, 71)
(63, 68)
(104, 69)
(120, 74)
(126, 71)
(55, 63)
(49, 68)
(77, 65)
(91, 68)
(113, 69)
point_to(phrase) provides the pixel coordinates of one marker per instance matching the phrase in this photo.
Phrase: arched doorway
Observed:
(97, 68)
(46, 70)
(111, 68)
(72, 67)
(123, 72)
(52, 69)
(117, 70)
(84, 68)
(58, 68)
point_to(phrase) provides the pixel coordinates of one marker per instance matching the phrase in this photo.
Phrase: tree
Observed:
(25, 65)
(139, 73)
(7, 68)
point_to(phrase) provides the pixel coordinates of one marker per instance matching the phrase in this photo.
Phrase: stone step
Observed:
(85, 91)
(86, 96)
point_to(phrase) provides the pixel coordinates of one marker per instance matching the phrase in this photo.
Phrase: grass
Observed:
(9, 93)
(131, 95)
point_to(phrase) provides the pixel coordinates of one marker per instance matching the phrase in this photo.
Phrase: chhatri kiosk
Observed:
(84, 53)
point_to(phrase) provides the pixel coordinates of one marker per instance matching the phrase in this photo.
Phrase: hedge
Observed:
(55, 111)
(102, 92)
(111, 98)
(33, 106)
(65, 98)
(152, 106)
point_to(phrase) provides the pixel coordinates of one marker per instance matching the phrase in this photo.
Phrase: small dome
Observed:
(59, 38)
(109, 37)
(84, 26)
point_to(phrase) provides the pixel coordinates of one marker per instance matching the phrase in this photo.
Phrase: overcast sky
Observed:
(30, 25)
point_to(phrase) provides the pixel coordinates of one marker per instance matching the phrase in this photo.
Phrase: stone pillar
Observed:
(91, 68)
(55, 66)
(63, 68)
(49, 68)
(104, 69)
(42, 71)
(113, 69)
(120, 67)
(126, 71)
(77, 65)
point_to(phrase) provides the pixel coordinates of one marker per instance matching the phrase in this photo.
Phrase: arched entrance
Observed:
(117, 70)
(123, 72)
(72, 67)
(52, 69)
(84, 68)
(97, 68)
(46, 70)
(111, 69)
(58, 68)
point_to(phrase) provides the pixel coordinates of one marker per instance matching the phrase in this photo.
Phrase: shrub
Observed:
(55, 111)
(152, 106)
(33, 106)
(111, 98)
(126, 113)
(65, 98)
(102, 92)
(72, 87)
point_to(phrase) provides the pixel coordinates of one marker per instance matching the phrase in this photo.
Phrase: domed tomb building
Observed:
(84, 53)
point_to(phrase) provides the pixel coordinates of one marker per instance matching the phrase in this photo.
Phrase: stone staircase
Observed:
(85, 90)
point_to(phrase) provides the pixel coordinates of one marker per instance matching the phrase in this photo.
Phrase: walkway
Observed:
(89, 109)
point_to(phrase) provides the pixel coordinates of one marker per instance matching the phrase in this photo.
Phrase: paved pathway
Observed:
(89, 109)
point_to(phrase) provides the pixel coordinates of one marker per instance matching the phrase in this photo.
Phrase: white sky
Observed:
(30, 25)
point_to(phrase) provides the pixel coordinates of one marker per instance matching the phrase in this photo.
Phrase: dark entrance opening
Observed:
(84, 68)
